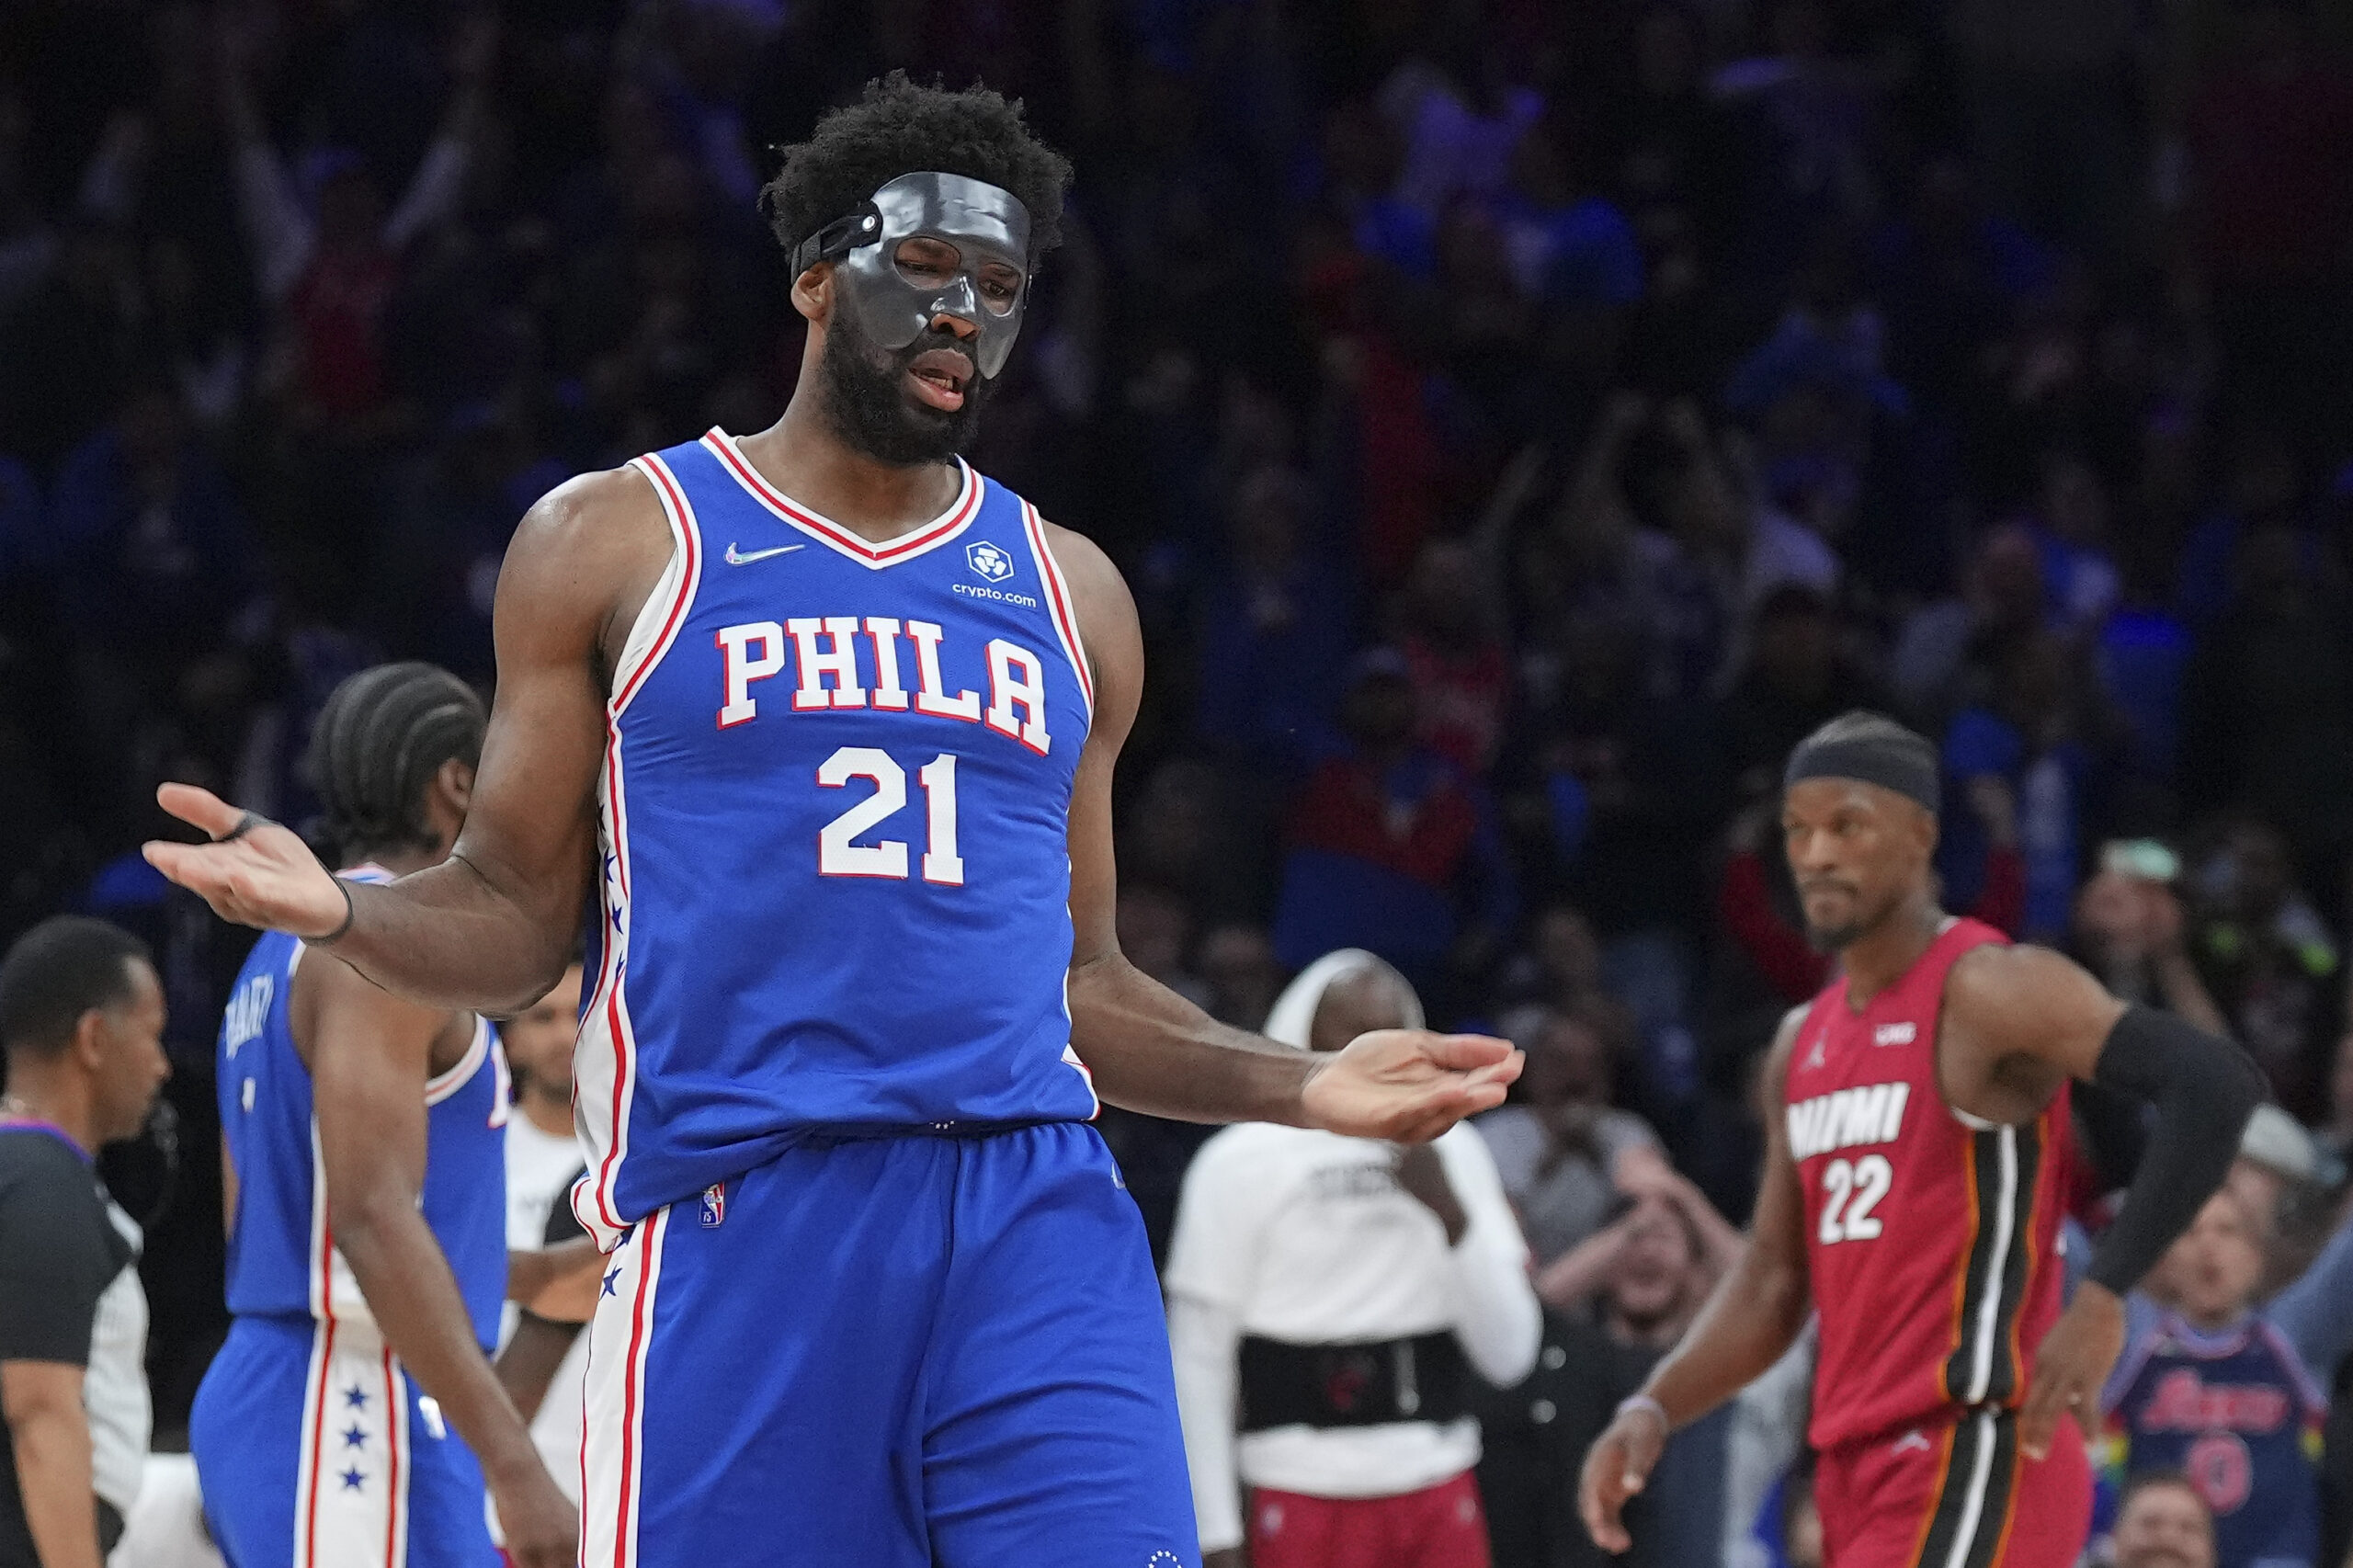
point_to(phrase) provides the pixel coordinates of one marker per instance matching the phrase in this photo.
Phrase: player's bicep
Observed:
(584, 557)
(1114, 651)
(2028, 1003)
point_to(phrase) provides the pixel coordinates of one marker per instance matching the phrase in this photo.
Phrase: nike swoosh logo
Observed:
(738, 558)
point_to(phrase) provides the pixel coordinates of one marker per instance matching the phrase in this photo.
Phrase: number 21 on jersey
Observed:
(838, 854)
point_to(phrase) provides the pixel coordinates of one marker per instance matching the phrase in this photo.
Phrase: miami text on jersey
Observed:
(1847, 1119)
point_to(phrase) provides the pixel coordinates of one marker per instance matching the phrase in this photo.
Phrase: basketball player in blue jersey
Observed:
(363, 1154)
(827, 722)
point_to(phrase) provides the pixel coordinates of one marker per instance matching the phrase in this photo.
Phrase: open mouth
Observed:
(940, 377)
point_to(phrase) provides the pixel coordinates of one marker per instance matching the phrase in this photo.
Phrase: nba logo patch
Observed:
(714, 1205)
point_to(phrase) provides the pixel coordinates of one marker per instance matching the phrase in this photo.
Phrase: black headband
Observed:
(1908, 766)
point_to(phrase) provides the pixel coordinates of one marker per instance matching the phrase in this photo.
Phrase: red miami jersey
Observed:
(1932, 1239)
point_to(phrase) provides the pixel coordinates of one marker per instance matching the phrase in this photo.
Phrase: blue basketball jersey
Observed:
(834, 811)
(2238, 1412)
(282, 1259)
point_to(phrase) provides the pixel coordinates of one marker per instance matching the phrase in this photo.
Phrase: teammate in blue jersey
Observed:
(364, 1160)
(827, 723)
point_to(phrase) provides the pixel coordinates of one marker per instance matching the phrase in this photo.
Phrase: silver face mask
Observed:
(981, 223)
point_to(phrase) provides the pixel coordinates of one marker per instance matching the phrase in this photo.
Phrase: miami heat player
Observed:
(1913, 1171)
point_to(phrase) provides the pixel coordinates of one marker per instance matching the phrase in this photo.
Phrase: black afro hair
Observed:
(899, 128)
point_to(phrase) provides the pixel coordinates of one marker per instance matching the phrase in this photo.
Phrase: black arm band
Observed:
(2204, 1089)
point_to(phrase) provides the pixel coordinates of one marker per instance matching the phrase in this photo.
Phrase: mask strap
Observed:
(837, 238)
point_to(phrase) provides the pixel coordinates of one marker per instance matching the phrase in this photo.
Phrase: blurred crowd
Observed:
(1519, 423)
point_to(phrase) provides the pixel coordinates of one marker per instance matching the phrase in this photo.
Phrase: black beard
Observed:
(1830, 940)
(866, 397)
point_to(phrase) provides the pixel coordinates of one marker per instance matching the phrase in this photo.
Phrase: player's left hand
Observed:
(2070, 1367)
(1407, 1086)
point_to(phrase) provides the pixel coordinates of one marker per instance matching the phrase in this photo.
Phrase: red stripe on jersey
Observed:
(393, 1411)
(833, 533)
(680, 518)
(633, 1364)
(1058, 595)
(318, 1436)
(689, 541)
(608, 987)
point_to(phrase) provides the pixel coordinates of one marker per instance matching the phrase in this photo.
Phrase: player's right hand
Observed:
(265, 877)
(541, 1525)
(1407, 1086)
(1617, 1467)
(1226, 1557)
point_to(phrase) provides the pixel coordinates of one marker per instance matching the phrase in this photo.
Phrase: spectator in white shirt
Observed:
(542, 1362)
(543, 1152)
(1329, 1299)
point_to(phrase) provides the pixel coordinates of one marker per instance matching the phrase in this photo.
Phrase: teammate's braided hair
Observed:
(381, 737)
(900, 128)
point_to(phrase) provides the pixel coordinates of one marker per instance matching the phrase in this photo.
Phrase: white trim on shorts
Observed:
(612, 1439)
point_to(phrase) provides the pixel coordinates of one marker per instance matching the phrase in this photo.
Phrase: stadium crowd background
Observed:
(1519, 422)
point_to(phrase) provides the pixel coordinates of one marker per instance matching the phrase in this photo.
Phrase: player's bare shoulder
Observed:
(583, 559)
(2016, 1019)
(1107, 617)
(1096, 585)
(2018, 995)
(1773, 1076)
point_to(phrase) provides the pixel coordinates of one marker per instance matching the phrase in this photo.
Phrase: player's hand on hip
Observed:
(2070, 1367)
(1407, 1085)
(254, 871)
(541, 1525)
(1616, 1468)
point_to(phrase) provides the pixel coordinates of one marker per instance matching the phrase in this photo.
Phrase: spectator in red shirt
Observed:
(1461, 675)
(331, 262)
(1388, 844)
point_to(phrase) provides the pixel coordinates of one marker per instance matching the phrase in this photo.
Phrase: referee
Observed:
(81, 1019)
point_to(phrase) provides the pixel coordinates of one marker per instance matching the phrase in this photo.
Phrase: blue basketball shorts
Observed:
(313, 1449)
(889, 1352)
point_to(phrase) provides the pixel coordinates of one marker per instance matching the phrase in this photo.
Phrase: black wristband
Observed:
(350, 911)
(2204, 1089)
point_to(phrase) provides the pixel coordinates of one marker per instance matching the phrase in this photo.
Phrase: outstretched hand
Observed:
(265, 876)
(1408, 1085)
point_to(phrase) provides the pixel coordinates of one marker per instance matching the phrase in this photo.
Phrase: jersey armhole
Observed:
(1059, 604)
(462, 1073)
(1968, 1121)
(665, 610)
